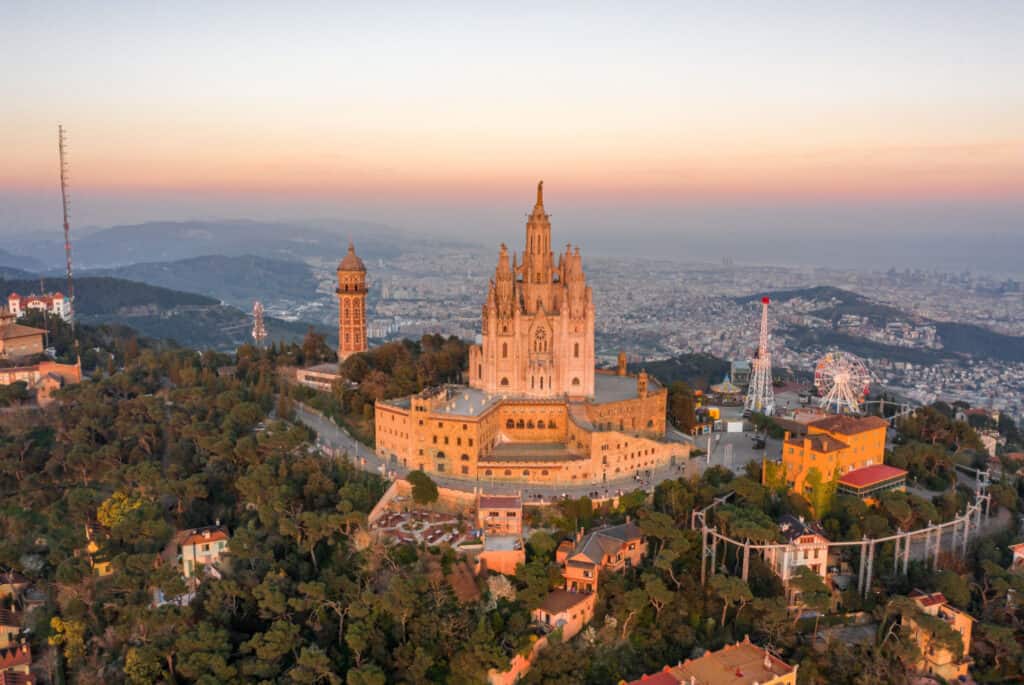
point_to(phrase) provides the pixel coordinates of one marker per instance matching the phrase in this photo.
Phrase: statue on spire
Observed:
(540, 193)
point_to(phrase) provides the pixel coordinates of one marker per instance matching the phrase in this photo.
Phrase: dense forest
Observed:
(167, 439)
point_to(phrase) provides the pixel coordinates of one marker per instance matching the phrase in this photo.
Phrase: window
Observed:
(504, 350)
(508, 472)
(479, 370)
(540, 424)
(544, 472)
(435, 439)
(504, 381)
(529, 424)
(464, 457)
(575, 381)
(488, 472)
(576, 350)
(526, 474)
(465, 470)
(520, 424)
(440, 467)
(446, 439)
(471, 442)
(440, 455)
(510, 424)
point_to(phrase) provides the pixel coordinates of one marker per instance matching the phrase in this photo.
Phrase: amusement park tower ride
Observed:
(760, 395)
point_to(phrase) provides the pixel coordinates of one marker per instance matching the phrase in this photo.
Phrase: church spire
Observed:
(540, 193)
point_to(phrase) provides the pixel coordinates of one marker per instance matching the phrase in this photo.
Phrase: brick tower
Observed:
(351, 304)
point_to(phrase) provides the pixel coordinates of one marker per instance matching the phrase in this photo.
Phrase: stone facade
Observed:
(351, 305)
(557, 420)
(538, 321)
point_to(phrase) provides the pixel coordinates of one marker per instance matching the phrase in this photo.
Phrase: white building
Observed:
(807, 546)
(51, 303)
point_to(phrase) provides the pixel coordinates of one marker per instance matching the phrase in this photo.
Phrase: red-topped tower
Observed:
(351, 304)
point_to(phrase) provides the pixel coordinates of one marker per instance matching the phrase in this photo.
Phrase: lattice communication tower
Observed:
(760, 394)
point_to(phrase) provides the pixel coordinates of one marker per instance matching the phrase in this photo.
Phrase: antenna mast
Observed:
(61, 145)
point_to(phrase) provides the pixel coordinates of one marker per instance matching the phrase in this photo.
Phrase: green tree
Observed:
(424, 489)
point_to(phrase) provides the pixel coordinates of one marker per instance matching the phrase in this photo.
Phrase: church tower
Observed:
(351, 304)
(537, 321)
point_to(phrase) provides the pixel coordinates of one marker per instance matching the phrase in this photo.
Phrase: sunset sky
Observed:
(442, 119)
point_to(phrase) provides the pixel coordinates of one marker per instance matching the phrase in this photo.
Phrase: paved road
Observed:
(336, 438)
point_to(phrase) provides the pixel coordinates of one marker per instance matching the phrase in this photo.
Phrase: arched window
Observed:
(650, 423)
(508, 472)
(540, 424)
(544, 472)
(575, 381)
(526, 474)
(542, 382)
(440, 455)
(551, 424)
(520, 424)
(488, 472)
(529, 424)
(510, 424)
(504, 350)
(465, 457)
(576, 350)
(504, 381)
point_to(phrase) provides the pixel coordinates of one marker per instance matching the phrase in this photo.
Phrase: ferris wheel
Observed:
(842, 381)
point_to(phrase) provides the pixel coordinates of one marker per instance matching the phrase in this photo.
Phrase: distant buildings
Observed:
(51, 303)
(743, 663)
(937, 659)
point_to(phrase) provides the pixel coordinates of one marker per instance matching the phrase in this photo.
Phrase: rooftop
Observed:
(500, 502)
(16, 330)
(530, 451)
(793, 527)
(558, 601)
(326, 367)
(819, 443)
(850, 425)
(871, 475)
(502, 543)
(607, 540)
(743, 663)
(610, 387)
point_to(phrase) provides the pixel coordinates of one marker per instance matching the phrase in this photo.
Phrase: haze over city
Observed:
(783, 134)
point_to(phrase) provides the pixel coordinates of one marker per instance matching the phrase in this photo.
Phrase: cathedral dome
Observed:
(351, 261)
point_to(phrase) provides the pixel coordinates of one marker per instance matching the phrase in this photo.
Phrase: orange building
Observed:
(535, 408)
(351, 304)
(613, 548)
(17, 340)
(500, 517)
(834, 446)
(936, 660)
(43, 379)
(743, 663)
(566, 611)
(500, 514)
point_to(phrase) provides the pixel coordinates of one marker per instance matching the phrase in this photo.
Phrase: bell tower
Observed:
(351, 304)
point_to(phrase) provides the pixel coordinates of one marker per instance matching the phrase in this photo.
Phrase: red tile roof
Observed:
(927, 600)
(869, 475)
(15, 656)
(500, 502)
(850, 425)
(664, 677)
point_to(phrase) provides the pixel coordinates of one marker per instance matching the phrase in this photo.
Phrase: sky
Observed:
(716, 126)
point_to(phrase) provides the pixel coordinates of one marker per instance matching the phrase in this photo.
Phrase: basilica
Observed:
(535, 408)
